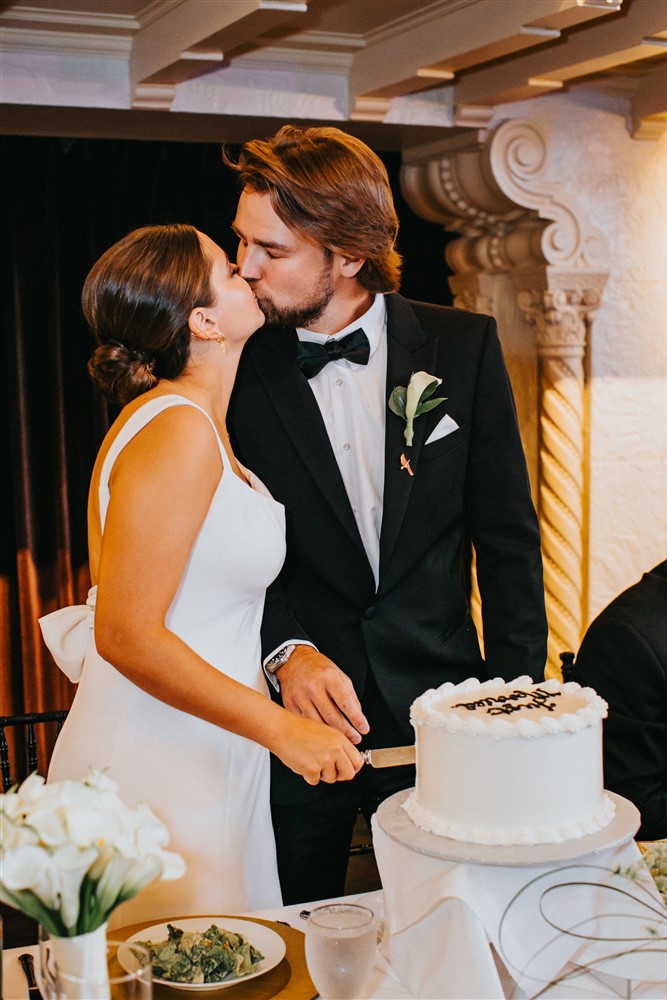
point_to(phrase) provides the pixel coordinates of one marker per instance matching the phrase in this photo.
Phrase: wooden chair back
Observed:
(20, 753)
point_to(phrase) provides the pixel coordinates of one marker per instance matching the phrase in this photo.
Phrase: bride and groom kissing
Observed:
(260, 523)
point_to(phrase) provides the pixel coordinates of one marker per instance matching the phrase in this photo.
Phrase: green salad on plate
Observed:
(202, 956)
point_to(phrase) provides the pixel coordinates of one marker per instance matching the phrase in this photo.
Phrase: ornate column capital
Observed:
(560, 309)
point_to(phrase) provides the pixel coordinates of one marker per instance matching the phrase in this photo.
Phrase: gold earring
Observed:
(220, 341)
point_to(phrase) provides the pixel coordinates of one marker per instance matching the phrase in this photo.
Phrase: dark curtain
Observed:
(64, 202)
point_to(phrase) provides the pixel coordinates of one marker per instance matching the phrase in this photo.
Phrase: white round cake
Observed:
(509, 763)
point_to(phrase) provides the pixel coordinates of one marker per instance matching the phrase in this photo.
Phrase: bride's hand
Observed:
(316, 751)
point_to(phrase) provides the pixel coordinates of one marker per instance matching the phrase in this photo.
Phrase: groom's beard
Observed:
(303, 313)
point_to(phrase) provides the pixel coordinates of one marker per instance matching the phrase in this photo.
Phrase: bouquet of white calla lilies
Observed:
(72, 851)
(415, 400)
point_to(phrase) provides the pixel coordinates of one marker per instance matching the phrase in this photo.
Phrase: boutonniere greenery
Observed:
(411, 401)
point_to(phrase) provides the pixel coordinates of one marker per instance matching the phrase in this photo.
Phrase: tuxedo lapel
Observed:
(408, 351)
(297, 409)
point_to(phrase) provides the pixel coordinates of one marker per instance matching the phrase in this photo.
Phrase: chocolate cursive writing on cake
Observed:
(503, 703)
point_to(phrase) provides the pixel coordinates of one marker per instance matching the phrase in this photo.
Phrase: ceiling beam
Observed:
(649, 105)
(191, 37)
(187, 126)
(619, 40)
(422, 52)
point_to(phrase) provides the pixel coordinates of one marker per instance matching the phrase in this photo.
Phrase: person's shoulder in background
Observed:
(623, 657)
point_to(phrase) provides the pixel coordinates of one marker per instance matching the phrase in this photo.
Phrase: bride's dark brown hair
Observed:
(137, 300)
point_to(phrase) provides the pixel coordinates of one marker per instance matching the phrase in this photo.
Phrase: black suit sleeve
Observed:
(503, 526)
(279, 625)
(620, 664)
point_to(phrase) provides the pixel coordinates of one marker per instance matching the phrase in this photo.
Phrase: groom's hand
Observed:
(314, 687)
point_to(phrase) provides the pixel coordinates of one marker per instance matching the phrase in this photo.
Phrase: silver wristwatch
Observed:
(281, 657)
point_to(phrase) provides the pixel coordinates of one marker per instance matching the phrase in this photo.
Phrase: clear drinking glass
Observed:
(128, 967)
(341, 939)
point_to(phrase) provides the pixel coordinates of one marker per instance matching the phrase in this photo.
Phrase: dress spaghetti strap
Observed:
(139, 419)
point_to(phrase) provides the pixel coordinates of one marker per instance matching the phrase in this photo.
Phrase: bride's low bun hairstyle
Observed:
(137, 300)
(121, 374)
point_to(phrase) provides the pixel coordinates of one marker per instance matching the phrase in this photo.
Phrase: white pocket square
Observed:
(442, 429)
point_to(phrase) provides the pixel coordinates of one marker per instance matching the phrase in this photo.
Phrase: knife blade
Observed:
(389, 756)
(28, 966)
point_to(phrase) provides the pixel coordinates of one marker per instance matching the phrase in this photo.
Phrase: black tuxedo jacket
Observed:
(414, 632)
(623, 656)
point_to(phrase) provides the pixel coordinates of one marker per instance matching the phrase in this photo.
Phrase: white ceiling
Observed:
(476, 54)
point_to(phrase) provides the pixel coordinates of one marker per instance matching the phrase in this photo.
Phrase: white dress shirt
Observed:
(352, 401)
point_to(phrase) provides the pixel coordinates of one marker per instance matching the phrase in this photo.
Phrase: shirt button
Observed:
(339, 381)
(346, 447)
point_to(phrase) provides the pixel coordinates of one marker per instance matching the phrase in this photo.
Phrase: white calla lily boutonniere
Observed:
(411, 402)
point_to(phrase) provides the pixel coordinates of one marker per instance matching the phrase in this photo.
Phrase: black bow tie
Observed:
(311, 358)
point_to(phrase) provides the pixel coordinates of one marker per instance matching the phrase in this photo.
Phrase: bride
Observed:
(183, 541)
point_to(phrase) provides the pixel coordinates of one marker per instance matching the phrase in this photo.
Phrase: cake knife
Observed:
(389, 756)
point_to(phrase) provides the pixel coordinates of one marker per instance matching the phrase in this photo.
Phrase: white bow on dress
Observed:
(67, 633)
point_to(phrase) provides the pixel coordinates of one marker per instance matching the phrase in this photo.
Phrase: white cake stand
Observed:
(396, 823)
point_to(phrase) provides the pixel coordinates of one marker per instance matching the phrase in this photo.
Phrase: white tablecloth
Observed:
(461, 930)
(467, 960)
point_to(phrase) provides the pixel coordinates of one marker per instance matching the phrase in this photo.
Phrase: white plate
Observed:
(271, 945)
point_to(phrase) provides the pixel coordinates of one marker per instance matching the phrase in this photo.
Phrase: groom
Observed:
(371, 608)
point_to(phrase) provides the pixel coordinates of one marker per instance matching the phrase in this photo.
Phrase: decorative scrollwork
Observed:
(519, 157)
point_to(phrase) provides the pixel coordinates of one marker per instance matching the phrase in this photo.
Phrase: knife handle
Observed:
(28, 966)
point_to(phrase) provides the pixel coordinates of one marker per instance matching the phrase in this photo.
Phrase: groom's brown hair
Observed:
(332, 189)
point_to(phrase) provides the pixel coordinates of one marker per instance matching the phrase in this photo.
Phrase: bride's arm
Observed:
(162, 485)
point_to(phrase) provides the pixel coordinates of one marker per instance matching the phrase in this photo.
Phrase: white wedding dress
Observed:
(209, 786)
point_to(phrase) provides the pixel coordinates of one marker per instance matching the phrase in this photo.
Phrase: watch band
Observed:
(279, 658)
